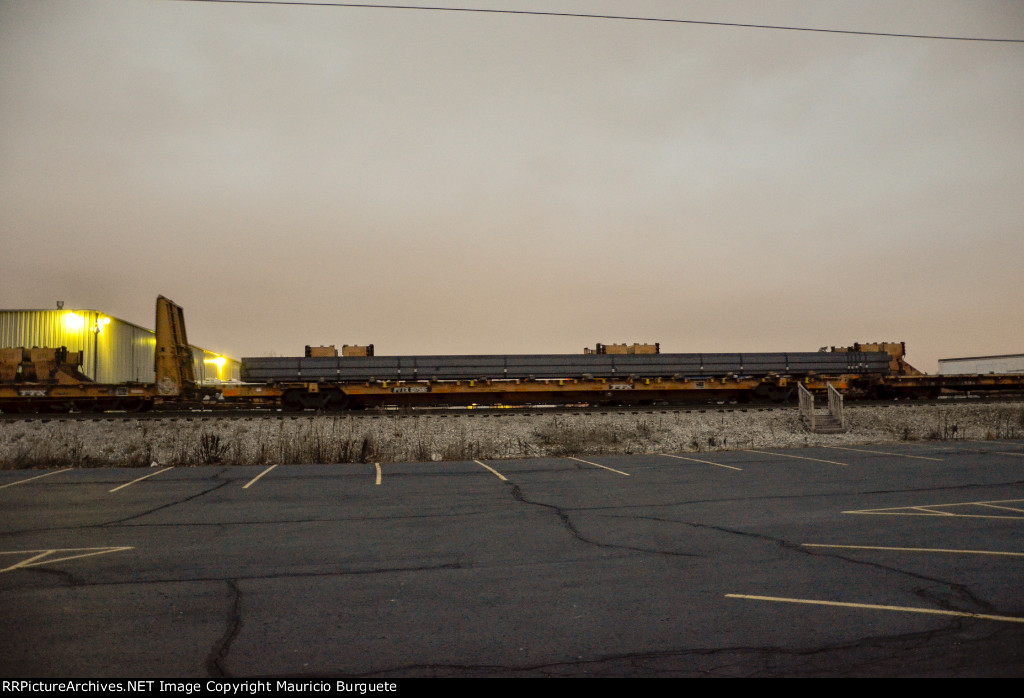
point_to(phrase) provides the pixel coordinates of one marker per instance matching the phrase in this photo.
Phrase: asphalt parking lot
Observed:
(894, 560)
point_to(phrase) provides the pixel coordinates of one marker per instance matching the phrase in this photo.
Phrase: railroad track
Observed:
(229, 413)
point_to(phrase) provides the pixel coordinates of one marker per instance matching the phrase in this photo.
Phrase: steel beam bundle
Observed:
(556, 366)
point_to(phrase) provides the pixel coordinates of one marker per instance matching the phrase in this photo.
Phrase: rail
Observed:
(806, 404)
(835, 405)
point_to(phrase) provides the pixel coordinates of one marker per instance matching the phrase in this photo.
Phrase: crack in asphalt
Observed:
(72, 580)
(116, 522)
(161, 507)
(881, 655)
(976, 485)
(221, 524)
(219, 651)
(256, 577)
(517, 494)
(784, 497)
(325, 519)
(960, 590)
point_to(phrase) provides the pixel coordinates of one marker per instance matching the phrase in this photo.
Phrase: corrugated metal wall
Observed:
(975, 365)
(113, 351)
(214, 368)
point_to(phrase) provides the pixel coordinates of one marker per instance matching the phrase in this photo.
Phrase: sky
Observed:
(471, 183)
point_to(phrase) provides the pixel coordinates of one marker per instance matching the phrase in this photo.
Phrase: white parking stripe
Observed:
(882, 453)
(698, 460)
(878, 607)
(141, 479)
(598, 465)
(12, 484)
(43, 556)
(914, 550)
(786, 455)
(500, 476)
(253, 481)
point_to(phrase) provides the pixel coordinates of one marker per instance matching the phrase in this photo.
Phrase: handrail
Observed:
(806, 404)
(835, 405)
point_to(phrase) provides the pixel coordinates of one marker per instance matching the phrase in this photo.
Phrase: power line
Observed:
(594, 16)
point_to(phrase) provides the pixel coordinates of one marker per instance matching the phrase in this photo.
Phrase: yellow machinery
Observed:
(50, 379)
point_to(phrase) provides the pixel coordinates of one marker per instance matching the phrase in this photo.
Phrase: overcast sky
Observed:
(441, 182)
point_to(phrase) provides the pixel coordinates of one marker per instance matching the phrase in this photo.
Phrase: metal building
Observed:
(113, 350)
(977, 365)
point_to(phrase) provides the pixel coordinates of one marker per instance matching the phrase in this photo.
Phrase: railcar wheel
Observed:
(336, 400)
(781, 395)
(89, 406)
(883, 392)
(291, 401)
(313, 401)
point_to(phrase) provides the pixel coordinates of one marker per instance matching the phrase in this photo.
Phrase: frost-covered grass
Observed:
(105, 442)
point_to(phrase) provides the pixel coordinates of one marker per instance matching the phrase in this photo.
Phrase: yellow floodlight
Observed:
(220, 361)
(73, 321)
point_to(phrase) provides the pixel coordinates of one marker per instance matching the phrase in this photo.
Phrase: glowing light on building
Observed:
(219, 363)
(73, 321)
